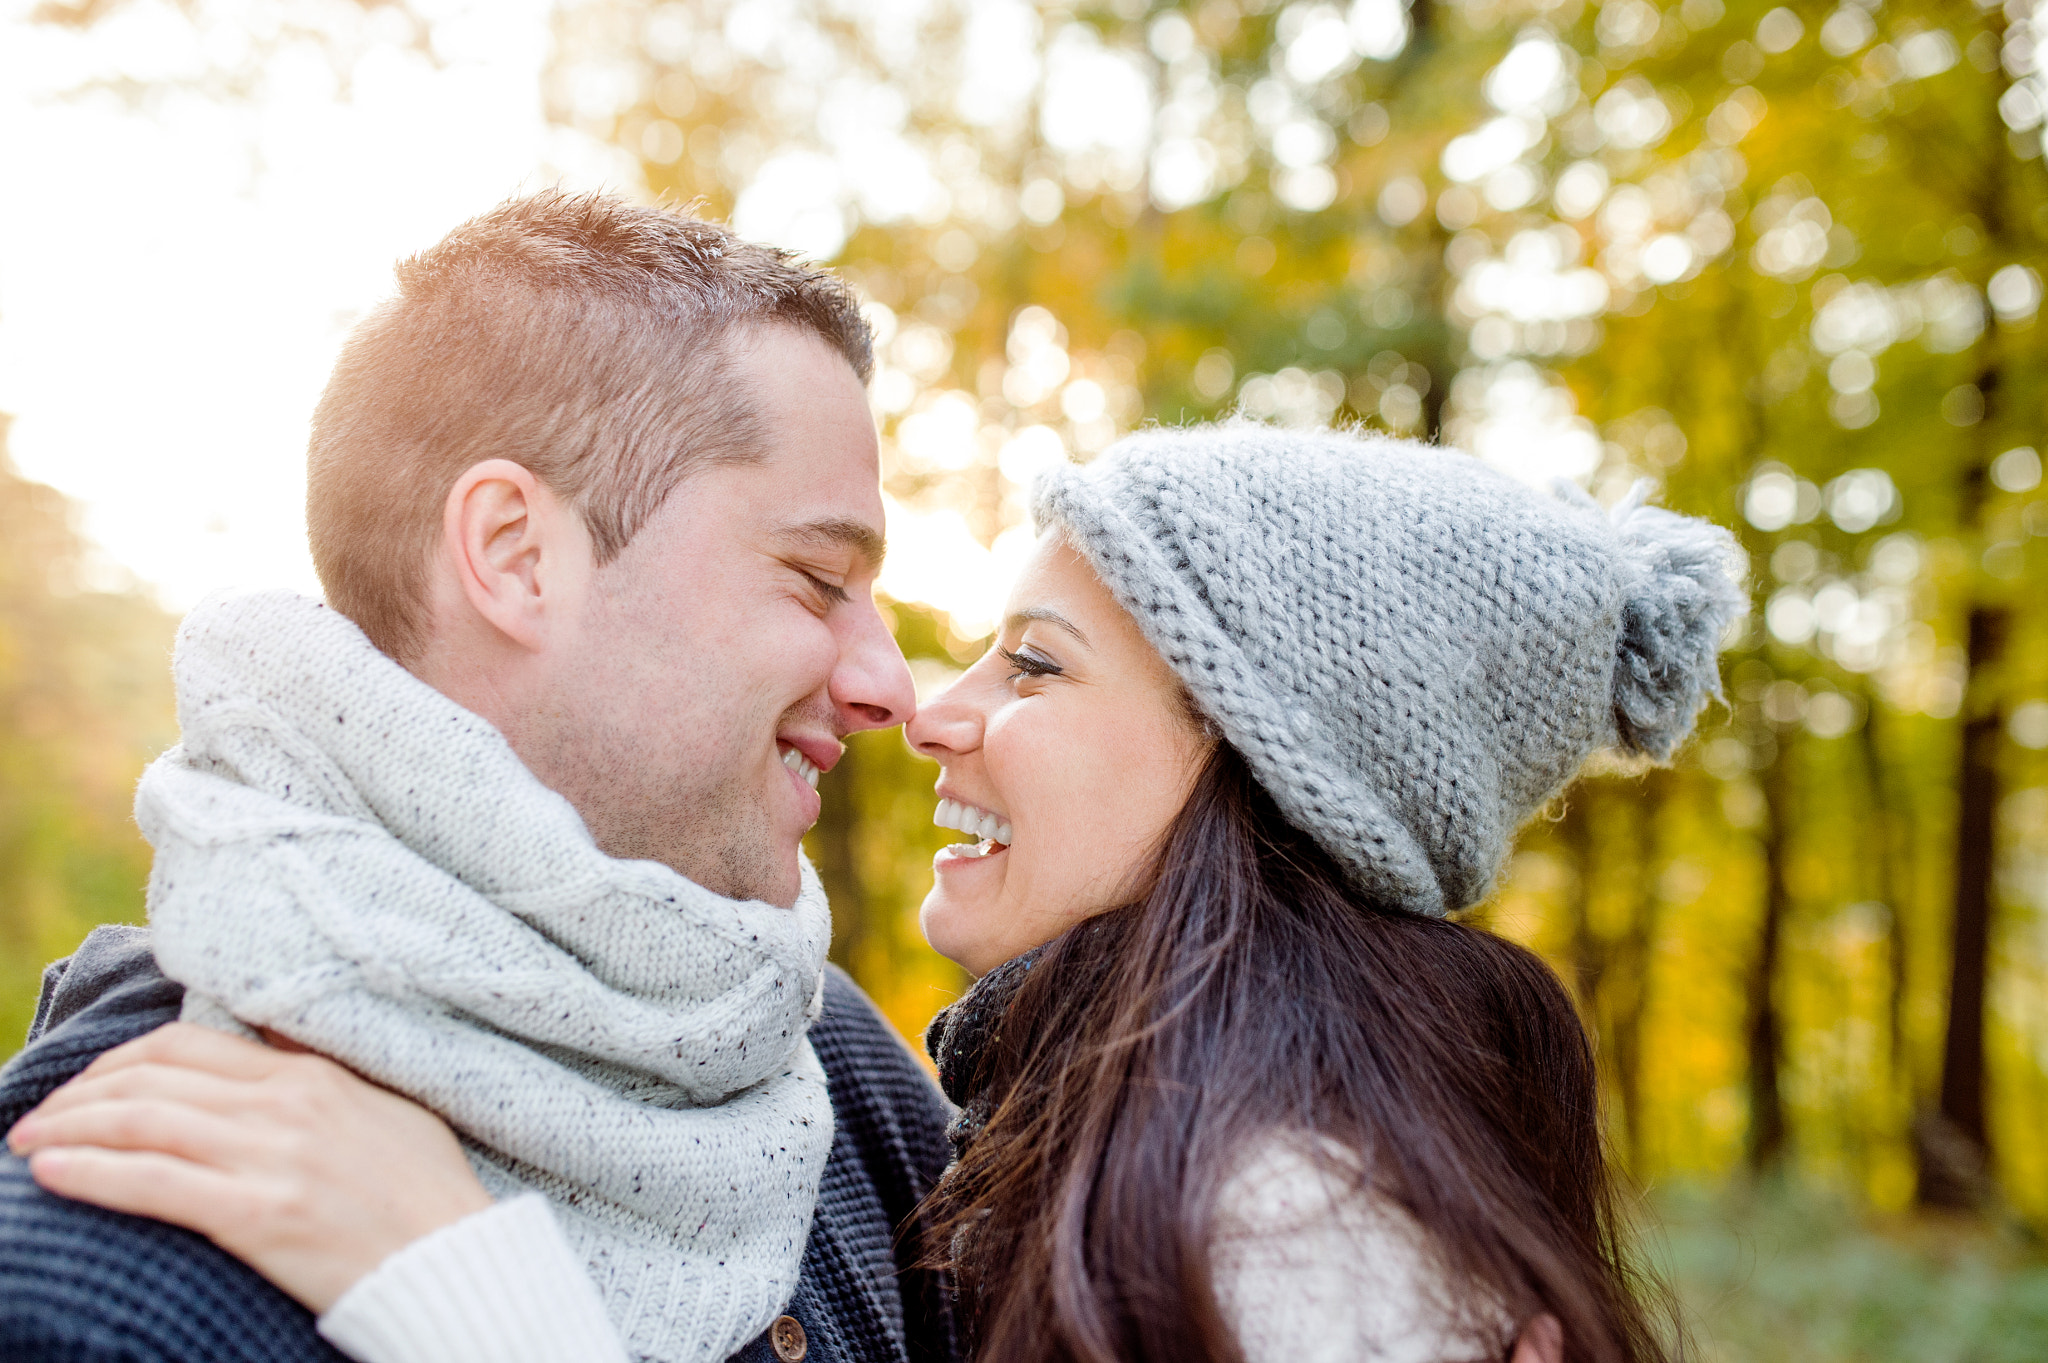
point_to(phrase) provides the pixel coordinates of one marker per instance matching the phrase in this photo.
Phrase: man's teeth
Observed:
(801, 765)
(968, 819)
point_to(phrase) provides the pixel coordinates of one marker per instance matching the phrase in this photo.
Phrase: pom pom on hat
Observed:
(1678, 595)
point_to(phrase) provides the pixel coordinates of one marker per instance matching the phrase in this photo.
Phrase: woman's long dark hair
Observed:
(1248, 991)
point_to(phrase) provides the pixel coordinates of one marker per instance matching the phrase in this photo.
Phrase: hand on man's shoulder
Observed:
(79, 1284)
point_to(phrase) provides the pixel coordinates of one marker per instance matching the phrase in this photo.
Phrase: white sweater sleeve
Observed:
(498, 1286)
(1312, 1264)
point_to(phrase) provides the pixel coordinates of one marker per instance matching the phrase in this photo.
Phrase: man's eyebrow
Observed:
(865, 542)
(1019, 619)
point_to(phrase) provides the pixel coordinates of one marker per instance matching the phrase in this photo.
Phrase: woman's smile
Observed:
(991, 830)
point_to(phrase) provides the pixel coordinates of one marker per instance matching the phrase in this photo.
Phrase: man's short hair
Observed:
(581, 336)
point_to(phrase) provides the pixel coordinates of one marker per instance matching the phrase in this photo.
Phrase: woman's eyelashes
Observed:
(1028, 664)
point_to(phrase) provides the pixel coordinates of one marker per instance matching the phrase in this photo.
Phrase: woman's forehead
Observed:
(1057, 586)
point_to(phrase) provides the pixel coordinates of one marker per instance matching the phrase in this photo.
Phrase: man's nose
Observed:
(871, 686)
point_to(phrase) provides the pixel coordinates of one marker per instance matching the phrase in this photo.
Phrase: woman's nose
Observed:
(946, 725)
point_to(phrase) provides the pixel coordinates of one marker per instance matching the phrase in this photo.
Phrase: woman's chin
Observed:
(969, 931)
(947, 927)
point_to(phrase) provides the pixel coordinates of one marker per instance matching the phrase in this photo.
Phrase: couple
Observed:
(511, 828)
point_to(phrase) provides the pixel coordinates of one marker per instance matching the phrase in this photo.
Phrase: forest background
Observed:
(1785, 260)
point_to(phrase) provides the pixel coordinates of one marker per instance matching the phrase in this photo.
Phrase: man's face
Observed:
(724, 654)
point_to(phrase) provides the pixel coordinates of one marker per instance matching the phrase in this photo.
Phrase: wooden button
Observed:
(787, 1335)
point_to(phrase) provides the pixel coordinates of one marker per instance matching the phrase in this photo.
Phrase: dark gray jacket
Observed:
(83, 1285)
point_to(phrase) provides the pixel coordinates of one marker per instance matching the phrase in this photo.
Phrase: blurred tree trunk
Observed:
(1767, 1129)
(1434, 283)
(1762, 1029)
(1629, 995)
(1955, 1147)
(1608, 832)
(1586, 952)
(1888, 853)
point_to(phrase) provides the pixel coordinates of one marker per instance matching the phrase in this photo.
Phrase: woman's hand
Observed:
(297, 1167)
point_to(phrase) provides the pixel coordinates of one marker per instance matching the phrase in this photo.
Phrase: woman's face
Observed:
(1066, 751)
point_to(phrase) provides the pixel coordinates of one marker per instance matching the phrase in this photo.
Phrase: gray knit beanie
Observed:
(1412, 651)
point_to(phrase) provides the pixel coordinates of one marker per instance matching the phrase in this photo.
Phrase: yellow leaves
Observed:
(85, 700)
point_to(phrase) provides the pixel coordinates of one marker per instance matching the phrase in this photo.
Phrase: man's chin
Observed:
(782, 890)
(740, 877)
(743, 857)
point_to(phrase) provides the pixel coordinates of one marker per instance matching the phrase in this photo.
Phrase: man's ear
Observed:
(519, 553)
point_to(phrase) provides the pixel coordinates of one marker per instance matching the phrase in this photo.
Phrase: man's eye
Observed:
(1028, 665)
(831, 592)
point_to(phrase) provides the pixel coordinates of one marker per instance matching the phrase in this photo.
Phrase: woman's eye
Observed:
(1028, 665)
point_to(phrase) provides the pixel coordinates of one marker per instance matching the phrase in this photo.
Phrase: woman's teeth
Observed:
(992, 829)
(801, 765)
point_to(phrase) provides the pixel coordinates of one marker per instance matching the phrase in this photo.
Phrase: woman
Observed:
(1265, 706)
(1302, 689)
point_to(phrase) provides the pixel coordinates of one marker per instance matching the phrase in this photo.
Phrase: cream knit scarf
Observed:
(345, 855)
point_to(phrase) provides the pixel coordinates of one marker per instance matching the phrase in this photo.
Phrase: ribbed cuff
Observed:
(498, 1286)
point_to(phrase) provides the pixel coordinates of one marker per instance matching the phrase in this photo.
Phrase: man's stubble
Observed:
(703, 813)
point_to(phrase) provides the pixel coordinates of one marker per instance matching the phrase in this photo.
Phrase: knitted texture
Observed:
(1412, 651)
(1313, 1265)
(963, 1036)
(862, 1284)
(499, 1286)
(82, 1285)
(348, 857)
(79, 1284)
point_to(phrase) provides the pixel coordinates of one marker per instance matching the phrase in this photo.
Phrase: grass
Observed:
(1790, 1276)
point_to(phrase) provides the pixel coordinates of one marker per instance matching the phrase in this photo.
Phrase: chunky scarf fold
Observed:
(962, 1039)
(348, 857)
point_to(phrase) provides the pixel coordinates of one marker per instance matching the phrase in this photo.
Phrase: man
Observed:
(605, 477)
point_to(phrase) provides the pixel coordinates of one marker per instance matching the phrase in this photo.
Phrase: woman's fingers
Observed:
(150, 1124)
(210, 1071)
(298, 1167)
(143, 1183)
(153, 1082)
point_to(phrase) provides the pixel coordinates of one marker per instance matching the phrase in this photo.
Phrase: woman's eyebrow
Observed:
(1021, 618)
